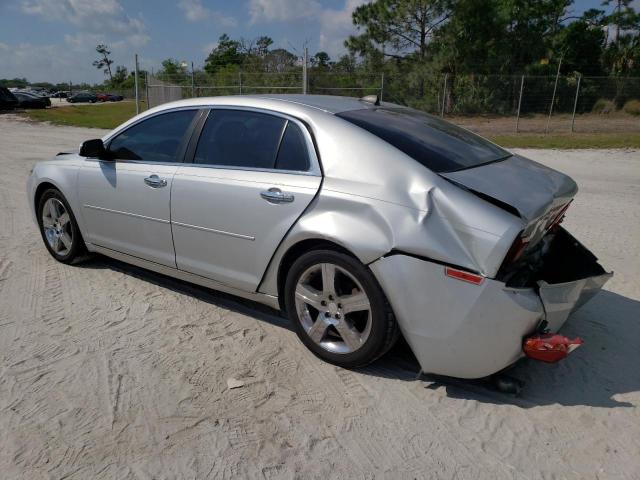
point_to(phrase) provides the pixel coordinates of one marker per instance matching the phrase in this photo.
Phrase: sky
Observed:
(55, 40)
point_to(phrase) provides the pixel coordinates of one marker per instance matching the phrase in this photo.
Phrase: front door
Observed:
(251, 178)
(126, 201)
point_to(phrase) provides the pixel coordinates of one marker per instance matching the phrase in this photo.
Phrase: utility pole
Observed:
(304, 70)
(193, 83)
(619, 8)
(575, 104)
(519, 103)
(137, 93)
(444, 94)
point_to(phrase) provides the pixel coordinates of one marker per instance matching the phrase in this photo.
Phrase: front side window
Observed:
(157, 139)
(244, 139)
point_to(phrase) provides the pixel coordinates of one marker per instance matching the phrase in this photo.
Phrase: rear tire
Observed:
(338, 309)
(59, 228)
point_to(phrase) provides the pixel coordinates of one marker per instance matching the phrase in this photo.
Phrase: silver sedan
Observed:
(361, 221)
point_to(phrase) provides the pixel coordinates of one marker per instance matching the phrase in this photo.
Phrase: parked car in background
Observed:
(60, 94)
(38, 92)
(8, 101)
(87, 97)
(29, 100)
(109, 97)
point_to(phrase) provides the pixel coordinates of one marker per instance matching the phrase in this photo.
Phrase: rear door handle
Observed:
(275, 195)
(155, 181)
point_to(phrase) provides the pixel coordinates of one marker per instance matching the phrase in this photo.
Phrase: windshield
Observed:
(438, 145)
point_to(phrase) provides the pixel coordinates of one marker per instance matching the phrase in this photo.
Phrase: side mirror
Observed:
(94, 149)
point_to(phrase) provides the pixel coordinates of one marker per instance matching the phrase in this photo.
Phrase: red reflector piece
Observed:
(550, 347)
(464, 276)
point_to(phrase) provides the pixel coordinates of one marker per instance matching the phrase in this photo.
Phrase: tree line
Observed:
(414, 43)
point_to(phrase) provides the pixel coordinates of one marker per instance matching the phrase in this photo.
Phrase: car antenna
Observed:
(375, 99)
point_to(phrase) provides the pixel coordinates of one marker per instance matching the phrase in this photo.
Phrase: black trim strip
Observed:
(431, 260)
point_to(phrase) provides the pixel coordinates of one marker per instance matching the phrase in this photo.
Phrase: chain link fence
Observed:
(489, 104)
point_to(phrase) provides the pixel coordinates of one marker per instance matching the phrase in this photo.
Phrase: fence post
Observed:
(381, 85)
(193, 83)
(136, 80)
(240, 80)
(444, 94)
(553, 97)
(575, 104)
(519, 103)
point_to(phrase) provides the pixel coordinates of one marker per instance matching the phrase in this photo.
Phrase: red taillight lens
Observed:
(549, 347)
(516, 250)
(559, 217)
(462, 275)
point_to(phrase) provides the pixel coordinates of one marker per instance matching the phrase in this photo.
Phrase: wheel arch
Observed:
(295, 251)
(40, 189)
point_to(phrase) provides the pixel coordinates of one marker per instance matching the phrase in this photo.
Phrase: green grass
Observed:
(566, 141)
(107, 115)
(110, 115)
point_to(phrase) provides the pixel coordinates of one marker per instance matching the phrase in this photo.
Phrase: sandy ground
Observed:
(109, 371)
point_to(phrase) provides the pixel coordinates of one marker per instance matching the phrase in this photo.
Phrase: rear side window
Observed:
(237, 138)
(292, 154)
(157, 139)
(438, 145)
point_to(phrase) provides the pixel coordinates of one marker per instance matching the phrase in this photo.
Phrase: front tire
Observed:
(338, 309)
(59, 228)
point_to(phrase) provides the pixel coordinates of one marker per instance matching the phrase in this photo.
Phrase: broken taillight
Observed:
(517, 249)
(559, 217)
(550, 347)
(464, 276)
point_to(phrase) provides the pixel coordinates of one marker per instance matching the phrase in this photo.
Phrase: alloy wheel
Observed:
(333, 308)
(56, 223)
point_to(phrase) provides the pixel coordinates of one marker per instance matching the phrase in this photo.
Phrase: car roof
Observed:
(325, 103)
(328, 103)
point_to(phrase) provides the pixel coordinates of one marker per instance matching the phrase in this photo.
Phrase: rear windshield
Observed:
(438, 145)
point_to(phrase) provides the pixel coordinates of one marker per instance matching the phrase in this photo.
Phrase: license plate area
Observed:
(569, 277)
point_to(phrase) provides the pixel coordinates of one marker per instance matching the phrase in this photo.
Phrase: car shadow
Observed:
(213, 297)
(603, 368)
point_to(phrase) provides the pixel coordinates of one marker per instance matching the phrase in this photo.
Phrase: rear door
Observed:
(126, 201)
(252, 176)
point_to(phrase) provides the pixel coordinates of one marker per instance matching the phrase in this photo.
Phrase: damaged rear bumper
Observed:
(464, 330)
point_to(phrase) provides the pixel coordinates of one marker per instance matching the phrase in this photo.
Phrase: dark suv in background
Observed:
(83, 97)
(8, 101)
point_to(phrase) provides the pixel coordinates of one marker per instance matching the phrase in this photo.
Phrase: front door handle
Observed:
(275, 195)
(155, 181)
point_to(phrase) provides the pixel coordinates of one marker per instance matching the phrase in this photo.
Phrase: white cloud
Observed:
(282, 10)
(105, 17)
(195, 11)
(87, 23)
(52, 63)
(336, 26)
